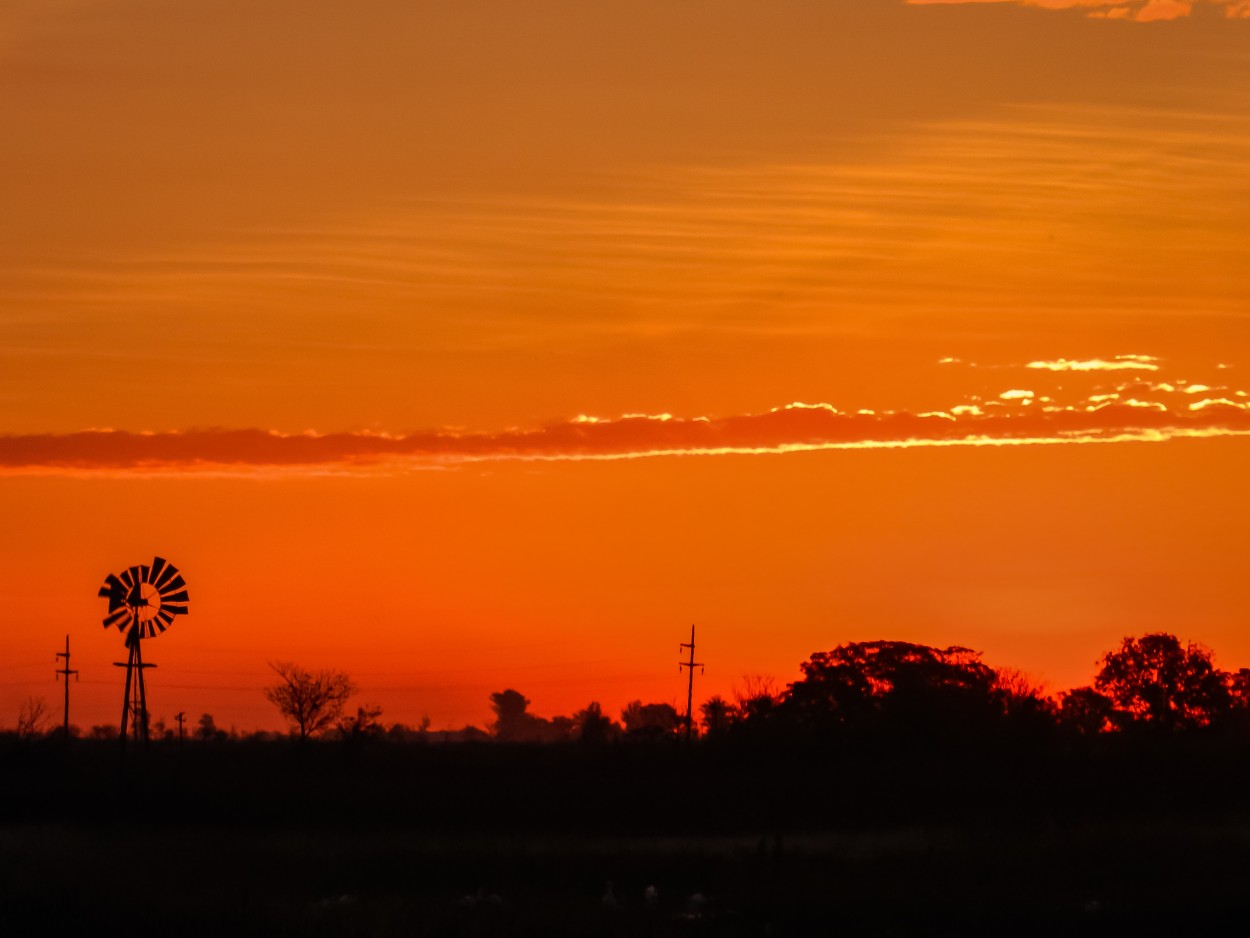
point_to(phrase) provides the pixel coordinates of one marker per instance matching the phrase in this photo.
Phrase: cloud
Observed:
(1141, 11)
(1119, 363)
(1144, 412)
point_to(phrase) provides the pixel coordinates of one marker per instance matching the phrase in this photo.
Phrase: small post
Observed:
(180, 717)
(67, 671)
(691, 664)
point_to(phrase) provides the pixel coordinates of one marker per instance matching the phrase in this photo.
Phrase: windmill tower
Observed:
(143, 601)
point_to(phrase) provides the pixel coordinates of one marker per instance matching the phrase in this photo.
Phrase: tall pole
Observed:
(691, 664)
(67, 671)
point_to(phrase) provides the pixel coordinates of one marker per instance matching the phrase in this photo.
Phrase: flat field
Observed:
(482, 840)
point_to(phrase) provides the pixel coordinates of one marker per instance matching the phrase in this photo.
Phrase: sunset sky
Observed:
(488, 344)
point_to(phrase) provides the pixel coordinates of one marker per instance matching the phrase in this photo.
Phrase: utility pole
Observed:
(691, 664)
(67, 671)
(181, 716)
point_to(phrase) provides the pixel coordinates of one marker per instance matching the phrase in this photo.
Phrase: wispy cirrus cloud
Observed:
(1141, 11)
(1137, 410)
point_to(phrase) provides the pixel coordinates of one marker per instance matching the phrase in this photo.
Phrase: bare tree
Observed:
(32, 718)
(754, 696)
(313, 701)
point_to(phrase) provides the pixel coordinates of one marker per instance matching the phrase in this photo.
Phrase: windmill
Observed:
(143, 601)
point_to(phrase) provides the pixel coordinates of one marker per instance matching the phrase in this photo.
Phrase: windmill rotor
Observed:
(143, 600)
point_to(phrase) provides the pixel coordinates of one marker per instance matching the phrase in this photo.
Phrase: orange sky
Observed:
(459, 345)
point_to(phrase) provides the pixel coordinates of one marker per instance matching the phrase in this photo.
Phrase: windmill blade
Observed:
(116, 617)
(169, 572)
(155, 624)
(175, 610)
(114, 590)
(166, 617)
(127, 579)
(158, 564)
(144, 572)
(176, 583)
(135, 575)
(181, 597)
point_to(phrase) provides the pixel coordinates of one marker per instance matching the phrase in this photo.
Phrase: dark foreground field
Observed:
(551, 841)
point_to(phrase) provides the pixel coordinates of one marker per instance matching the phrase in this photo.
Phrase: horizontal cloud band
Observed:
(789, 429)
(1142, 11)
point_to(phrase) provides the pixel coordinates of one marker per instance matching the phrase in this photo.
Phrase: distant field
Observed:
(520, 842)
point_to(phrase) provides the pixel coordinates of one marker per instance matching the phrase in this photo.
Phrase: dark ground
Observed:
(752, 840)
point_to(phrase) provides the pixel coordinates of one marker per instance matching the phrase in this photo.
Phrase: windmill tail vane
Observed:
(144, 599)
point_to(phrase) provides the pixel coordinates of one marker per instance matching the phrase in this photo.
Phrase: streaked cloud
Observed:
(1141, 11)
(1119, 363)
(1132, 412)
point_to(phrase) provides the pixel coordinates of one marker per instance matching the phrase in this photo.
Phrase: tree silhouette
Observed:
(592, 726)
(32, 718)
(1087, 711)
(312, 701)
(1157, 681)
(716, 713)
(207, 729)
(887, 684)
(650, 721)
(363, 725)
(754, 697)
(513, 723)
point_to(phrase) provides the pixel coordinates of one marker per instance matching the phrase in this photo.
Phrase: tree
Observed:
(651, 721)
(312, 701)
(755, 696)
(206, 729)
(512, 722)
(716, 712)
(1159, 682)
(1026, 706)
(364, 725)
(32, 718)
(515, 724)
(592, 726)
(1087, 711)
(893, 684)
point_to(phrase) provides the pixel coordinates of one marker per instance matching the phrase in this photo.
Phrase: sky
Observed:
(482, 345)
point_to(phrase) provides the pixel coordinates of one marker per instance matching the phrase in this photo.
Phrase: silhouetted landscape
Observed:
(429, 369)
(893, 789)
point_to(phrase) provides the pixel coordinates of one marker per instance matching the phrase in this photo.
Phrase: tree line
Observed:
(1154, 683)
